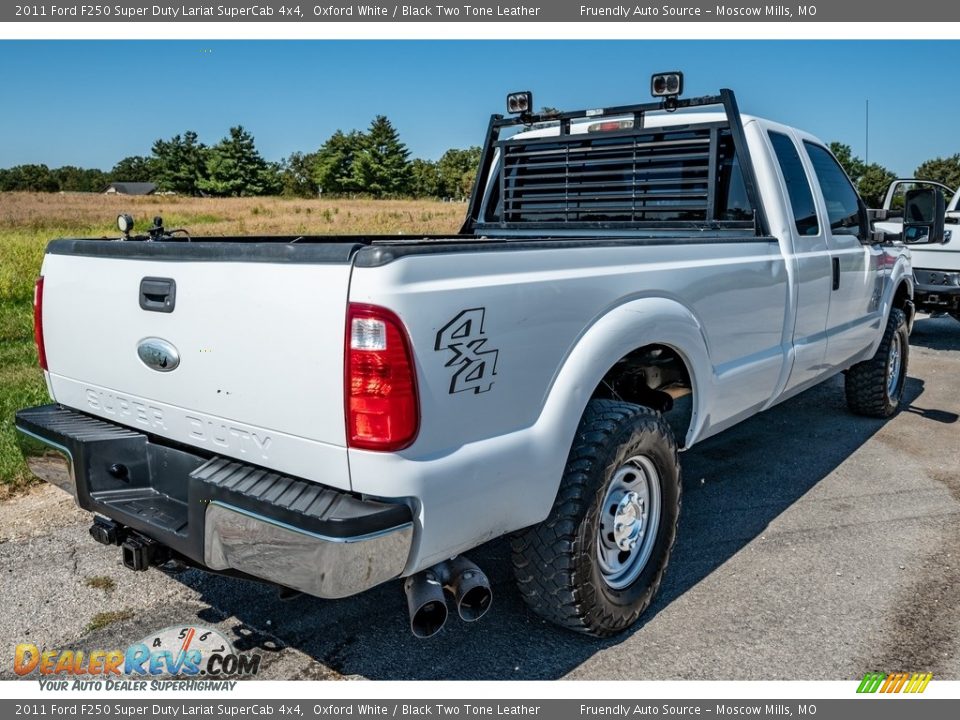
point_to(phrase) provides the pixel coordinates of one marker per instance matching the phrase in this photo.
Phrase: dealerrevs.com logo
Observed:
(182, 652)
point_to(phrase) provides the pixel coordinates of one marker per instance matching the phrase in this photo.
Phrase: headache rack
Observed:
(629, 177)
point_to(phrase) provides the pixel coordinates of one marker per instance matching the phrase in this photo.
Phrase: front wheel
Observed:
(596, 563)
(874, 387)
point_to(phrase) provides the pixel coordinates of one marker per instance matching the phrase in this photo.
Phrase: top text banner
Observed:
(508, 11)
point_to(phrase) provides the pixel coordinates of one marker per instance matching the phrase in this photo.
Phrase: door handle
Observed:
(836, 273)
(158, 294)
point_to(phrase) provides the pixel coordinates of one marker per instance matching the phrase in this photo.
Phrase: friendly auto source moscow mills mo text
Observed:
(628, 12)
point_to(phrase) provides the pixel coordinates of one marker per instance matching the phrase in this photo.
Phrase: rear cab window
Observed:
(798, 186)
(687, 174)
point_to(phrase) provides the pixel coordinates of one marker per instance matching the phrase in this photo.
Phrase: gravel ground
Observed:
(813, 545)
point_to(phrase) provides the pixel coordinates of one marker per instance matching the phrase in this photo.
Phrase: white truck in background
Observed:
(330, 413)
(936, 268)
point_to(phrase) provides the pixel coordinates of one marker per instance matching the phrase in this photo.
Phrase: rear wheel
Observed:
(596, 563)
(874, 387)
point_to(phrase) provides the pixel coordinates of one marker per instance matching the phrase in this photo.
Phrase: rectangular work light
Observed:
(668, 84)
(520, 103)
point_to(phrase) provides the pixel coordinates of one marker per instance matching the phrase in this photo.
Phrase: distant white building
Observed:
(130, 188)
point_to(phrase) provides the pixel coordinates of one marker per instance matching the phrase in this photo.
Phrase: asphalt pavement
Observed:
(813, 544)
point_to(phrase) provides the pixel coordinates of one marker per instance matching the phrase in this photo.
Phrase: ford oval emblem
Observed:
(158, 354)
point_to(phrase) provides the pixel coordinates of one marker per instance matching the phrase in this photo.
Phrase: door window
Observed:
(843, 203)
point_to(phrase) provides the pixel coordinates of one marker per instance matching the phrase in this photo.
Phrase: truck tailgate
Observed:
(260, 346)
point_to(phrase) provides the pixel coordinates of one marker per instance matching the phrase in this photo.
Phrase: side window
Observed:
(798, 187)
(843, 203)
(732, 201)
(494, 208)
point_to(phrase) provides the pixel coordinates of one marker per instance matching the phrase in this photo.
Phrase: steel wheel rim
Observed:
(894, 363)
(628, 523)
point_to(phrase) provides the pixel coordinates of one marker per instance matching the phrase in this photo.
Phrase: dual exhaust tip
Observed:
(427, 602)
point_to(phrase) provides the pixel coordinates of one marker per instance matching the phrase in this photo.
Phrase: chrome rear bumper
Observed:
(317, 565)
(50, 462)
(218, 513)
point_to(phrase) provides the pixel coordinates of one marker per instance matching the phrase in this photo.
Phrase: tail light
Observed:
(38, 322)
(610, 126)
(380, 381)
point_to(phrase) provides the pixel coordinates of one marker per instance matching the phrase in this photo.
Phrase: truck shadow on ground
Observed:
(935, 333)
(735, 484)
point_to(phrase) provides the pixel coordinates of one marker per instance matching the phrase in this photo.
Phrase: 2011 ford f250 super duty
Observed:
(329, 413)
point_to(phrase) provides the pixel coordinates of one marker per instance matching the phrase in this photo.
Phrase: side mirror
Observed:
(864, 216)
(924, 212)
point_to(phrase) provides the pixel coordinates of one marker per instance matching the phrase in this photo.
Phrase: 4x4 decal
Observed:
(475, 363)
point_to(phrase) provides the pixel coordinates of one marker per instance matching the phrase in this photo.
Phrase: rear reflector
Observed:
(38, 322)
(380, 381)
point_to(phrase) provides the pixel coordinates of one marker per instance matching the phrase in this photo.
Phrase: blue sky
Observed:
(91, 103)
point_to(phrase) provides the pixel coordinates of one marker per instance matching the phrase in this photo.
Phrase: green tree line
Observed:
(374, 163)
(872, 180)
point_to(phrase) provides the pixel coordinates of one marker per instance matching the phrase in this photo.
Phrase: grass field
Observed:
(29, 220)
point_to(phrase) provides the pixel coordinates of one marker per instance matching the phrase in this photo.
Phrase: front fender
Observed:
(901, 273)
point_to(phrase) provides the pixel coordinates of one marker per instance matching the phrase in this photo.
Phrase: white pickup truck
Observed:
(330, 413)
(936, 269)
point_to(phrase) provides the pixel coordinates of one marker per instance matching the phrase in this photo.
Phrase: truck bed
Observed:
(259, 326)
